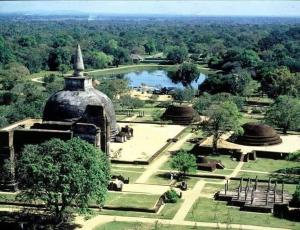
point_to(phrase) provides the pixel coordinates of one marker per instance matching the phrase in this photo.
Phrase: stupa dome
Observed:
(181, 114)
(256, 134)
(70, 103)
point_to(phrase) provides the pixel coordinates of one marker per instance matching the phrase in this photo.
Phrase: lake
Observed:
(155, 79)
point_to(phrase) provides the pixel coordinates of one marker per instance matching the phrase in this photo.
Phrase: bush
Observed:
(171, 196)
(296, 197)
(293, 156)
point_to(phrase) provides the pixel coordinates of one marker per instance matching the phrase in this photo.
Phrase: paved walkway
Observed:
(189, 199)
(102, 219)
(156, 164)
(145, 189)
(236, 170)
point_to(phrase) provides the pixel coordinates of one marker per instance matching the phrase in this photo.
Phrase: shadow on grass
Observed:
(25, 220)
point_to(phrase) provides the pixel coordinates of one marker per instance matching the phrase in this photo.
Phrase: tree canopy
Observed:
(222, 117)
(184, 162)
(185, 74)
(284, 113)
(64, 175)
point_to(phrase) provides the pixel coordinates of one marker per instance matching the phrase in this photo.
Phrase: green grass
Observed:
(269, 165)
(249, 118)
(133, 175)
(143, 226)
(208, 210)
(117, 199)
(160, 178)
(211, 189)
(163, 178)
(168, 212)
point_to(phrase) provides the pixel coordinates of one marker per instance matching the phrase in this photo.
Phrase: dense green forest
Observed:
(250, 58)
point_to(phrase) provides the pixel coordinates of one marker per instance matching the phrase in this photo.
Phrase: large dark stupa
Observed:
(72, 103)
(256, 134)
(181, 114)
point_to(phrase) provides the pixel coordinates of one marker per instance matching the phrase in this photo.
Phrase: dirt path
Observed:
(154, 166)
(189, 199)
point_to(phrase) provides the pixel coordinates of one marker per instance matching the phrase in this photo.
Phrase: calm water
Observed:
(156, 79)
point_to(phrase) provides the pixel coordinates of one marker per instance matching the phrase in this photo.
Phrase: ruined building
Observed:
(79, 110)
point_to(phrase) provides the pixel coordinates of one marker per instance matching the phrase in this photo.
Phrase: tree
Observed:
(12, 73)
(177, 54)
(131, 102)
(3, 122)
(281, 81)
(222, 117)
(186, 74)
(59, 56)
(237, 83)
(6, 54)
(63, 175)
(98, 60)
(296, 197)
(284, 113)
(184, 162)
(150, 47)
(182, 95)
(249, 58)
(242, 83)
(114, 87)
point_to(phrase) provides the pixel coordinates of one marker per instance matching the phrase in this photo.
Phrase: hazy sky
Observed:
(238, 7)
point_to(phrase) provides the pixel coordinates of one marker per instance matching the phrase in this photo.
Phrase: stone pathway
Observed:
(236, 170)
(189, 199)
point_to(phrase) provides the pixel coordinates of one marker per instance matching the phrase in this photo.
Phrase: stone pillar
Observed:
(7, 162)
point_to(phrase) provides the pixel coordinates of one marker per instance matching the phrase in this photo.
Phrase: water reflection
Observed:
(155, 78)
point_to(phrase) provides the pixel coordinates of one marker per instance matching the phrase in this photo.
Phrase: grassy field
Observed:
(143, 226)
(117, 199)
(269, 165)
(208, 210)
(163, 178)
(168, 212)
(211, 189)
(132, 172)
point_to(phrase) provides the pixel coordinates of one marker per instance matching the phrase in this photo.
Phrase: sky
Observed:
(152, 7)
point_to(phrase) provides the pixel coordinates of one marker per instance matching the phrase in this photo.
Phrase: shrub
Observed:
(293, 156)
(171, 196)
(296, 197)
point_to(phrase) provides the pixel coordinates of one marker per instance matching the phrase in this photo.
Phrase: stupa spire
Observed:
(78, 63)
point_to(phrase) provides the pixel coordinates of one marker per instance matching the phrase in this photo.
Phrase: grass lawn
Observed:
(269, 165)
(164, 179)
(142, 226)
(132, 173)
(249, 118)
(211, 189)
(208, 210)
(168, 212)
(160, 178)
(226, 160)
(117, 199)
